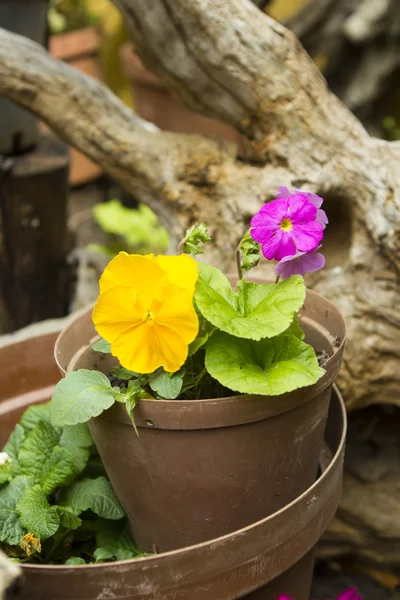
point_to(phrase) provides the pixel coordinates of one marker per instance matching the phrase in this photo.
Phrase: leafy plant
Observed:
(181, 331)
(68, 15)
(133, 229)
(54, 507)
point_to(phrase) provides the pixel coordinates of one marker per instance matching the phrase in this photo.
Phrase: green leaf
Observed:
(34, 414)
(205, 332)
(249, 252)
(75, 560)
(94, 494)
(11, 528)
(13, 447)
(78, 440)
(115, 542)
(269, 367)
(80, 396)
(37, 449)
(68, 519)
(295, 329)
(57, 470)
(102, 346)
(255, 311)
(5, 467)
(194, 239)
(122, 373)
(36, 514)
(167, 385)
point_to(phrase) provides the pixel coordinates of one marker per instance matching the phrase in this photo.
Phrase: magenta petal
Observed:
(301, 210)
(322, 218)
(307, 236)
(278, 246)
(283, 192)
(351, 594)
(262, 234)
(271, 213)
(313, 198)
(300, 264)
(284, 597)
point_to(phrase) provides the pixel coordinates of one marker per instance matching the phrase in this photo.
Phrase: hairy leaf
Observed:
(36, 514)
(269, 367)
(11, 528)
(34, 414)
(166, 385)
(13, 447)
(56, 470)
(36, 449)
(94, 494)
(68, 519)
(80, 396)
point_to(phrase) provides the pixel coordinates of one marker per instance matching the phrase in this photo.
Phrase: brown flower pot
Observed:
(201, 469)
(155, 103)
(272, 556)
(80, 49)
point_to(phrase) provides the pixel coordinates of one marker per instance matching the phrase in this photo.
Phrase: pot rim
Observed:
(307, 497)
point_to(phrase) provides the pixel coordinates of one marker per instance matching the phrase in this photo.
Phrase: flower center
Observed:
(286, 224)
(149, 316)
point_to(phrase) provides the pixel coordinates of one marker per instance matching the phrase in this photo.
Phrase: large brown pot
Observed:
(201, 469)
(272, 556)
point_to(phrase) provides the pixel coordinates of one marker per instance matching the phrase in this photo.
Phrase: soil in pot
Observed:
(217, 464)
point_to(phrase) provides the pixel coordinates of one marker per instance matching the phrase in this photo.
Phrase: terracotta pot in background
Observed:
(216, 464)
(272, 556)
(80, 49)
(155, 103)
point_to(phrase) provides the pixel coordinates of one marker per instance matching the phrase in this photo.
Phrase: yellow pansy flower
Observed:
(145, 310)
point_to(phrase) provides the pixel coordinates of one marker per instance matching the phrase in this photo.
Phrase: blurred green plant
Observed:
(135, 230)
(69, 15)
(392, 128)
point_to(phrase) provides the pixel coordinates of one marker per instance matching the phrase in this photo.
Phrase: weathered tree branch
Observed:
(231, 61)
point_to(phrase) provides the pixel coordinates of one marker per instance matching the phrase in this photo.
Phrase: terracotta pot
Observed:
(19, 128)
(28, 376)
(155, 103)
(258, 562)
(80, 49)
(253, 454)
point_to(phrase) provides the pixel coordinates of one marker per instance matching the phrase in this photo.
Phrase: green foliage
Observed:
(5, 467)
(167, 385)
(269, 367)
(56, 503)
(195, 237)
(137, 230)
(80, 396)
(96, 495)
(249, 252)
(255, 311)
(36, 514)
(102, 346)
(68, 15)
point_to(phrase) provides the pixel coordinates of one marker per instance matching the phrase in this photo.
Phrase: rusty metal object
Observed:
(216, 464)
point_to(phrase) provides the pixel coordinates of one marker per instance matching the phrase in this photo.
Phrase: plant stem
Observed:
(238, 262)
(277, 279)
(181, 245)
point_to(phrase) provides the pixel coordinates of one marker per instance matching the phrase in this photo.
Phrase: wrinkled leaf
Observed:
(68, 519)
(13, 447)
(57, 470)
(269, 367)
(80, 396)
(34, 414)
(250, 253)
(36, 450)
(93, 494)
(75, 560)
(36, 514)
(194, 239)
(115, 542)
(11, 528)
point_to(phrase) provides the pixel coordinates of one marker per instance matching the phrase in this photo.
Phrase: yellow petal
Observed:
(145, 347)
(141, 273)
(117, 309)
(181, 270)
(175, 309)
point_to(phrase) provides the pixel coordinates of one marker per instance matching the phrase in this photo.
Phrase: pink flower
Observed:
(284, 192)
(300, 264)
(350, 594)
(285, 226)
